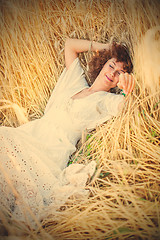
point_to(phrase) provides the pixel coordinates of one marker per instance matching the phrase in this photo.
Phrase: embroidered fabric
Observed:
(34, 177)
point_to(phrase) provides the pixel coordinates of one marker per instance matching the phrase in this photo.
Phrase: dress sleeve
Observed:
(106, 108)
(69, 79)
(112, 102)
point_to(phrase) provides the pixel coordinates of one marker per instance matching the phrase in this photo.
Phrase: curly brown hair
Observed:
(118, 51)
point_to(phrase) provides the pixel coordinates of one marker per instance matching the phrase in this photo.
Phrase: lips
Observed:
(109, 79)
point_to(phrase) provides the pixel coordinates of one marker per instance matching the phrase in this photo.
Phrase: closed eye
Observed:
(111, 66)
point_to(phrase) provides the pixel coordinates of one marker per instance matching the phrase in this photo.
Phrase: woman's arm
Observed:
(74, 46)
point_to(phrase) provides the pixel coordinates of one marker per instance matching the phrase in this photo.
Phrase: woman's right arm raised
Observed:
(74, 46)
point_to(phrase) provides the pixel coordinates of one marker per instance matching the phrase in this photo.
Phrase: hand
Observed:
(126, 82)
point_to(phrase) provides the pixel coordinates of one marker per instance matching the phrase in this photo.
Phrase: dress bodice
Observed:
(65, 118)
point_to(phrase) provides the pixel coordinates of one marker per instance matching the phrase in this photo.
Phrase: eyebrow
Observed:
(115, 64)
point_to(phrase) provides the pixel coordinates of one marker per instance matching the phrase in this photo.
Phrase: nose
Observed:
(112, 73)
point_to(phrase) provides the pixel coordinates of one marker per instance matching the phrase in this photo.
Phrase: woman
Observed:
(34, 178)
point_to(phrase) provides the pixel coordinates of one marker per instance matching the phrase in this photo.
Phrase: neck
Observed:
(96, 87)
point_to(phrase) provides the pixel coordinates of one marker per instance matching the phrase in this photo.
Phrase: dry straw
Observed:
(124, 201)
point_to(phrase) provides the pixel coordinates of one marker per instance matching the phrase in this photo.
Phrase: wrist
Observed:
(123, 93)
(97, 46)
(90, 46)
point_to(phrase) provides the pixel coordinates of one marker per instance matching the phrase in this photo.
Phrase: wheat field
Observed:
(124, 201)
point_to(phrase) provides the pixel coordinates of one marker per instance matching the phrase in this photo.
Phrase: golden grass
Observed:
(124, 200)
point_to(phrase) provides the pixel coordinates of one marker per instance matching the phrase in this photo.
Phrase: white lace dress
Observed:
(33, 157)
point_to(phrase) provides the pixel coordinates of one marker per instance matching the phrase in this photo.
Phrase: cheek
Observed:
(108, 69)
(105, 69)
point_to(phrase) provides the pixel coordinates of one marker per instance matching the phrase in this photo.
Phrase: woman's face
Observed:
(109, 75)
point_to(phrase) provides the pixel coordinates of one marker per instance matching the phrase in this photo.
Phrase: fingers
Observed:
(121, 83)
(132, 84)
(126, 82)
(129, 86)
